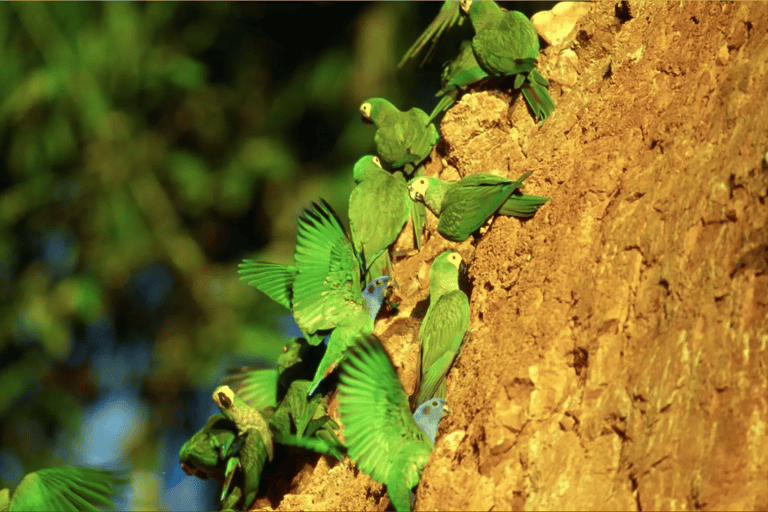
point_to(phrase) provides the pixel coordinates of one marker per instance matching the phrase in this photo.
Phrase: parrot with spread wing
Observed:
(379, 207)
(383, 438)
(62, 488)
(403, 139)
(463, 206)
(444, 326)
(506, 43)
(324, 287)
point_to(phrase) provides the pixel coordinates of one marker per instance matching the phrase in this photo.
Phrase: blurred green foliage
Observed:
(146, 149)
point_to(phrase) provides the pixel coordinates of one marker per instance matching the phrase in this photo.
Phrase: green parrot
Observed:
(458, 74)
(63, 488)
(444, 326)
(253, 432)
(506, 43)
(382, 436)
(463, 206)
(213, 452)
(403, 139)
(379, 207)
(448, 17)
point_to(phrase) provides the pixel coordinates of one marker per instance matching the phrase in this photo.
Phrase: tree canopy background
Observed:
(146, 149)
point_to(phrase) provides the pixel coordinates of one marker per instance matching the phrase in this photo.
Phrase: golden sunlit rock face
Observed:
(619, 338)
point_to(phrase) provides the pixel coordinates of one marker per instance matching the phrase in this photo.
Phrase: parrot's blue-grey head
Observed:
(374, 294)
(417, 189)
(429, 414)
(366, 112)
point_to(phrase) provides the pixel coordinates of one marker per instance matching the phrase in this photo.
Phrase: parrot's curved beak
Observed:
(447, 410)
(365, 119)
(415, 196)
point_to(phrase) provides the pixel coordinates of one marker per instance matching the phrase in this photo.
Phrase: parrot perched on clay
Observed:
(458, 74)
(383, 438)
(448, 17)
(379, 207)
(463, 206)
(258, 443)
(213, 453)
(444, 326)
(62, 488)
(506, 43)
(403, 139)
(324, 288)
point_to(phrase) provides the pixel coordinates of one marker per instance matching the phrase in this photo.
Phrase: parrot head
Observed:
(366, 110)
(429, 414)
(417, 189)
(465, 5)
(224, 396)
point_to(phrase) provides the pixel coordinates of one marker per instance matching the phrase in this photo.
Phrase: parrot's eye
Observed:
(434, 403)
(285, 348)
(422, 181)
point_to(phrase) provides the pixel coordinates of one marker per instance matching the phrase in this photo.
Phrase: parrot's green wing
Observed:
(65, 488)
(315, 444)
(202, 454)
(420, 136)
(273, 279)
(373, 406)
(465, 209)
(449, 15)
(379, 207)
(522, 205)
(257, 387)
(253, 456)
(327, 288)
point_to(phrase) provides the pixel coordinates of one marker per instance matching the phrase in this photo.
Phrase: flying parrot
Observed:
(403, 139)
(62, 488)
(379, 207)
(324, 288)
(463, 206)
(382, 436)
(506, 43)
(448, 17)
(444, 326)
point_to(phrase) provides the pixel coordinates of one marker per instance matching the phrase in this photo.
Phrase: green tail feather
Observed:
(537, 96)
(523, 206)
